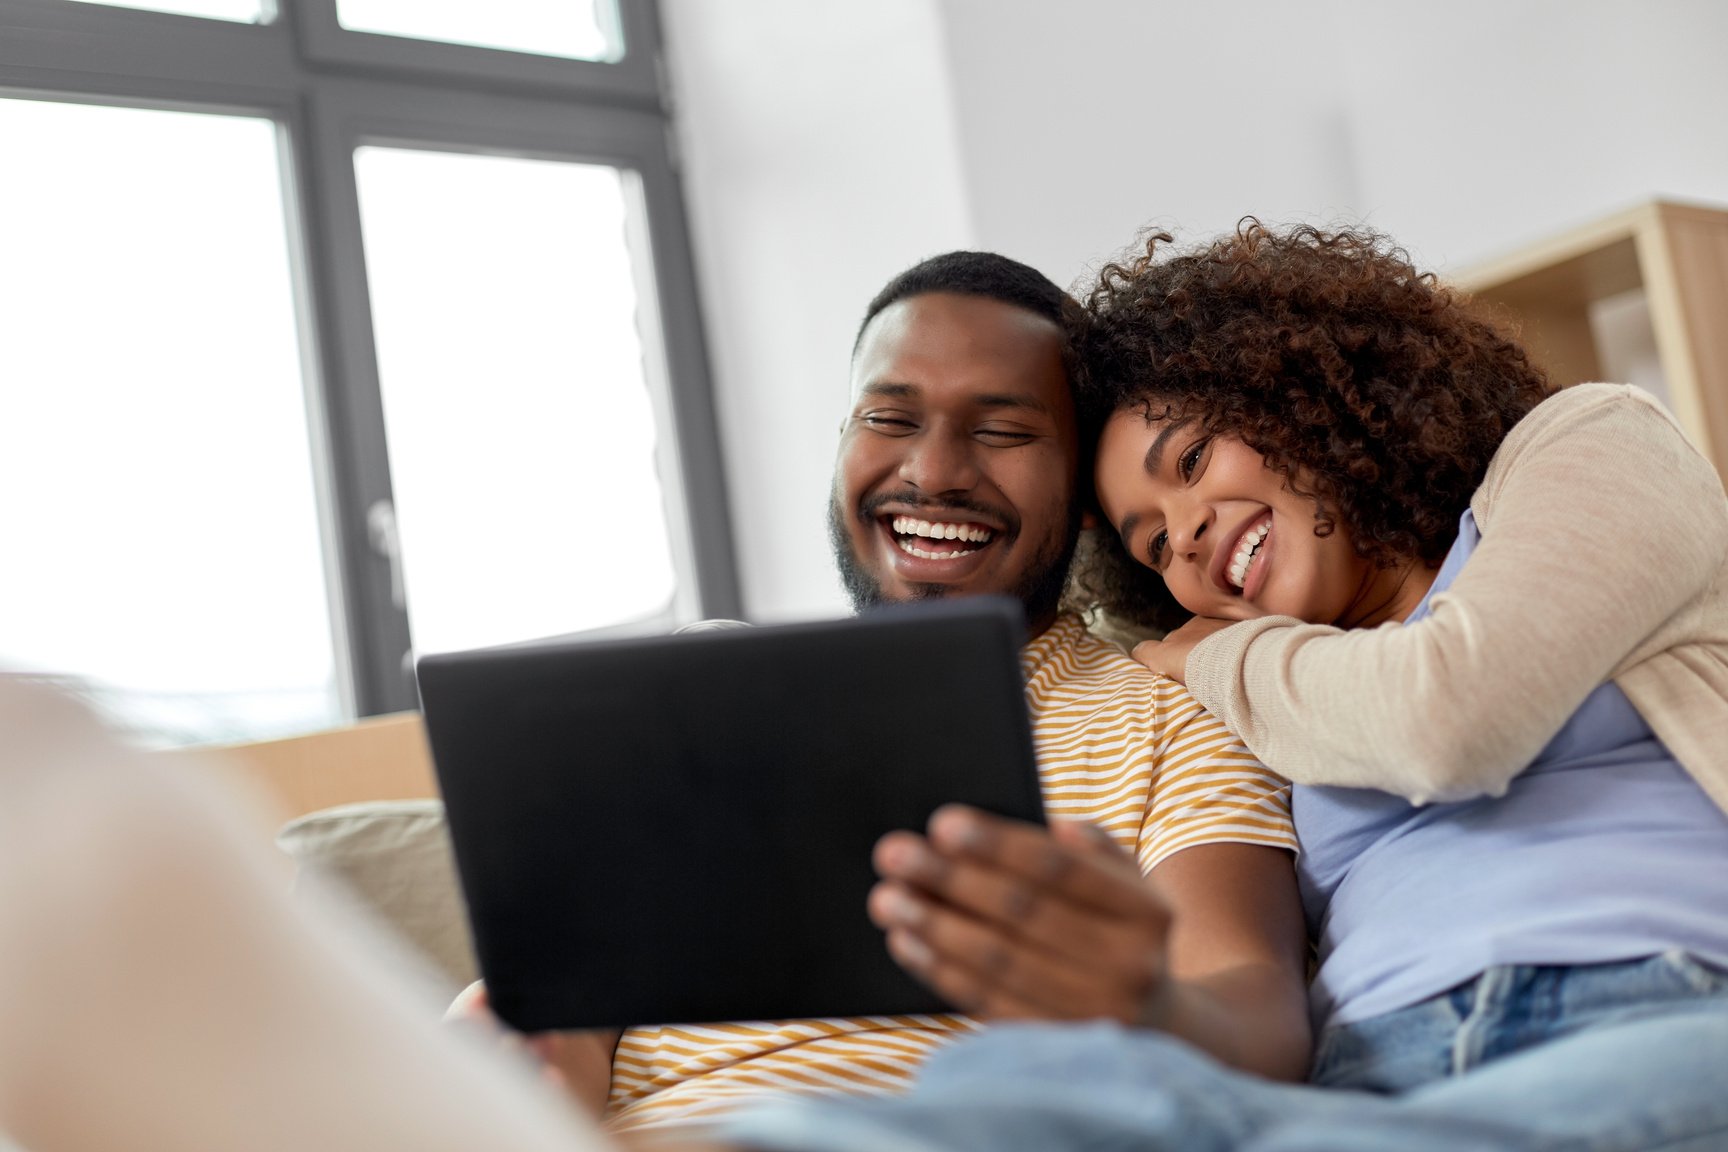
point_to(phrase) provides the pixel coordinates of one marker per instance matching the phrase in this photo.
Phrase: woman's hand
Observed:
(1169, 656)
(1012, 921)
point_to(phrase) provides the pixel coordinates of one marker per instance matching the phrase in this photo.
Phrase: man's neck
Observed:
(1036, 627)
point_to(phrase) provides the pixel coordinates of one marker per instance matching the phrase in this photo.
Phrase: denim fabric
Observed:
(1603, 1058)
(1505, 1011)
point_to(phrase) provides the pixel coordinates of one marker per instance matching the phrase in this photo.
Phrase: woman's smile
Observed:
(1231, 538)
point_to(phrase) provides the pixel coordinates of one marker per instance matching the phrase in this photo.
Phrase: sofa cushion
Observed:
(394, 857)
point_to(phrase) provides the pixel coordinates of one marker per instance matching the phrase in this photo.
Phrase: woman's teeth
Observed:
(1245, 553)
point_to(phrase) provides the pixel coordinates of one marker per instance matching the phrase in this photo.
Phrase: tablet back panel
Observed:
(679, 829)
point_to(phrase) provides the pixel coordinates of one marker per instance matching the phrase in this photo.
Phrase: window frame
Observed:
(330, 90)
(633, 78)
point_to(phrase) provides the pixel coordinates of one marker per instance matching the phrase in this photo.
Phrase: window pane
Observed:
(160, 521)
(574, 28)
(521, 434)
(243, 11)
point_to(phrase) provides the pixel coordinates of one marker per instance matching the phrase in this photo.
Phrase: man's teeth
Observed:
(1245, 553)
(940, 530)
(911, 526)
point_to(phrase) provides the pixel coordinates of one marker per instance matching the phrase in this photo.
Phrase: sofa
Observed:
(356, 808)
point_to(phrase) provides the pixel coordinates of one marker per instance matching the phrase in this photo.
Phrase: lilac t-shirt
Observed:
(1603, 849)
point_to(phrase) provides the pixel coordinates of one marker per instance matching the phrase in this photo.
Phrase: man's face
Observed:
(956, 472)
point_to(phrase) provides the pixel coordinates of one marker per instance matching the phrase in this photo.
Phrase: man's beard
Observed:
(1039, 591)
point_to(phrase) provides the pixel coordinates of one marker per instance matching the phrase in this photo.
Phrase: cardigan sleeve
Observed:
(1599, 522)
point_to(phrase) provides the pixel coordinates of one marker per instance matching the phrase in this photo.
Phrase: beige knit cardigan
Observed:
(1604, 539)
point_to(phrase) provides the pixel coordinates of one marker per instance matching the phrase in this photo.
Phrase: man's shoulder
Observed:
(1082, 667)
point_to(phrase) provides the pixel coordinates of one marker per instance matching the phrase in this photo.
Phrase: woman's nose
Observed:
(1190, 527)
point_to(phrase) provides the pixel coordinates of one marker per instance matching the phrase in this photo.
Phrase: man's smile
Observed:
(938, 539)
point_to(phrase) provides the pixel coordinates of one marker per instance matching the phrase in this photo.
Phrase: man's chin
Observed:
(908, 593)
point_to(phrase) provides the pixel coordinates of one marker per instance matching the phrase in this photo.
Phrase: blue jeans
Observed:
(1605, 1058)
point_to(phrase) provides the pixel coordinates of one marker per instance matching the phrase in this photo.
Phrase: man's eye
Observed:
(887, 423)
(1190, 459)
(1004, 435)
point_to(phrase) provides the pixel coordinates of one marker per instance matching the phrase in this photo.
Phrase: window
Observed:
(341, 330)
(545, 27)
(246, 11)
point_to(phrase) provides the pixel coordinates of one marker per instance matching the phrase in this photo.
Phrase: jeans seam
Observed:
(1701, 978)
(1473, 1030)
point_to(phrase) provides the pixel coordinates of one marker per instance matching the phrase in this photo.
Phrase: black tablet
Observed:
(678, 829)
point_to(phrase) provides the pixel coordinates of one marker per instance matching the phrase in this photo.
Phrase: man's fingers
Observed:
(966, 847)
(1011, 907)
(989, 978)
(1053, 954)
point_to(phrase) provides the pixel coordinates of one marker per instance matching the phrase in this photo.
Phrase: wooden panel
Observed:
(382, 758)
(1677, 253)
(1698, 252)
(1599, 253)
(1558, 339)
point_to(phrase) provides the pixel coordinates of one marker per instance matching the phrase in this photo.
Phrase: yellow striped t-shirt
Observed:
(1117, 745)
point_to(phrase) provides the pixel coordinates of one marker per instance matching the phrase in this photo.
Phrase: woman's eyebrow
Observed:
(1130, 522)
(1154, 462)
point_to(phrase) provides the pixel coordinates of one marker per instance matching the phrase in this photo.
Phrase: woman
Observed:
(1483, 629)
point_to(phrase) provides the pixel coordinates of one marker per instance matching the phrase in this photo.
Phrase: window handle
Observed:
(387, 542)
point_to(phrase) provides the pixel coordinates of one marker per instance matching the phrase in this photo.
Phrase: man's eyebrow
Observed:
(888, 388)
(1012, 400)
(991, 400)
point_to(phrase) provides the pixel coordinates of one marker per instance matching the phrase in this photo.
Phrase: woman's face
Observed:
(1227, 534)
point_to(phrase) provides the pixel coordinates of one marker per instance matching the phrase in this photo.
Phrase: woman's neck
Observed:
(1389, 594)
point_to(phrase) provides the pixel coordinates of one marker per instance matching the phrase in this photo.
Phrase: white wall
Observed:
(1464, 128)
(1082, 123)
(831, 144)
(820, 159)
(1484, 124)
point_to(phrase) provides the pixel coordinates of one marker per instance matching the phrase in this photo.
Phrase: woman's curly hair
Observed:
(1372, 388)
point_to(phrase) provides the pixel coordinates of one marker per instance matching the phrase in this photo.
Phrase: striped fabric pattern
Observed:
(1127, 750)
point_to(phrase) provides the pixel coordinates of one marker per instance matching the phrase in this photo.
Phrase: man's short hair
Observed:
(986, 274)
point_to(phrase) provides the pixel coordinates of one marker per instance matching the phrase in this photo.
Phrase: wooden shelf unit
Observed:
(1677, 254)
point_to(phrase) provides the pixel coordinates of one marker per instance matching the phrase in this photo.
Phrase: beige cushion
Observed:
(394, 857)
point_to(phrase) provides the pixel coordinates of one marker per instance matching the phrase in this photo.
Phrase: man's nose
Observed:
(935, 462)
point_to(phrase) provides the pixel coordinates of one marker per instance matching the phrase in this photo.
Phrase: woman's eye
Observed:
(1155, 548)
(1190, 459)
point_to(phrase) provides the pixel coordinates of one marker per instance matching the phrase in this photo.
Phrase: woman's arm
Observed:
(1601, 523)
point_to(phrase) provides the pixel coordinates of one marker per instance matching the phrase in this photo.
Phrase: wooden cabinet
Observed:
(1639, 297)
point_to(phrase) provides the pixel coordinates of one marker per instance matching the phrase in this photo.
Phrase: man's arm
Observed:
(1012, 921)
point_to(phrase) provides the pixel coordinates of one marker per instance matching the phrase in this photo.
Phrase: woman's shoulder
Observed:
(1568, 405)
(1576, 424)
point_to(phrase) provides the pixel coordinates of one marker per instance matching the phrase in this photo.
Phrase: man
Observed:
(957, 476)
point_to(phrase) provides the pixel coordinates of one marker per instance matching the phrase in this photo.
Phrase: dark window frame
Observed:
(330, 90)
